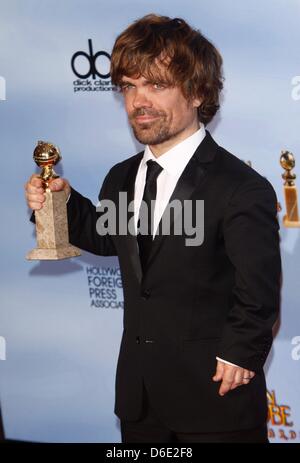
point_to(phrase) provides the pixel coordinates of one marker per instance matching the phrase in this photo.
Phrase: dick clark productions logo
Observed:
(92, 70)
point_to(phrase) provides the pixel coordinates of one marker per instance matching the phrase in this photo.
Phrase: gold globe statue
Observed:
(51, 220)
(46, 155)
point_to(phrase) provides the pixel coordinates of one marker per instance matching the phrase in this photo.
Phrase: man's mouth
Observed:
(145, 118)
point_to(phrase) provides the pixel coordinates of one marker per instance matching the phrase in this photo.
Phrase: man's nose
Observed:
(141, 100)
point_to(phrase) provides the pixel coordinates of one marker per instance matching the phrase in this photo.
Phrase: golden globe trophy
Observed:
(51, 221)
(291, 219)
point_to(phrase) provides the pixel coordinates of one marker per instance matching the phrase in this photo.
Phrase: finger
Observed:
(36, 180)
(245, 381)
(228, 378)
(35, 206)
(225, 386)
(57, 184)
(29, 188)
(40, 198)
(219, 371)
(251, 374)
(238, 378)
(247, 377)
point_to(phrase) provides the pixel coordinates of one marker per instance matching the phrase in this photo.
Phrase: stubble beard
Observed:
(154, 132)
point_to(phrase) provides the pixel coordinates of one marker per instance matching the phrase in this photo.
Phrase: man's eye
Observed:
(158, 85)
(126, 87)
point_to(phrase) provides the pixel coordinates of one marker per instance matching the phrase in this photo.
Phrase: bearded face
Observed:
(158, 113)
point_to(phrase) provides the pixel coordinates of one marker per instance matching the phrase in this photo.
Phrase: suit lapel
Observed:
(131, 241)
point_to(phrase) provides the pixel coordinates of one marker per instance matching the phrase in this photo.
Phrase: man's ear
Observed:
(197, 102)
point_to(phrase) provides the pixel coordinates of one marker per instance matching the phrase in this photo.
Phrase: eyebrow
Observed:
(146, 82)
(125, 82)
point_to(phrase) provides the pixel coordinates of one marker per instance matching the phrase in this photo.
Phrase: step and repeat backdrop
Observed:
(61, 322)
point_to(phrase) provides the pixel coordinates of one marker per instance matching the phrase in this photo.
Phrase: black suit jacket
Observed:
(1, 428)
(195, 303)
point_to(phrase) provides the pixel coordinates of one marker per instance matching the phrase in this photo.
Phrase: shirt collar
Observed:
(175, 159)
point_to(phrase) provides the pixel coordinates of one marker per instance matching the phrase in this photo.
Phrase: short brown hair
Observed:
(189, 59)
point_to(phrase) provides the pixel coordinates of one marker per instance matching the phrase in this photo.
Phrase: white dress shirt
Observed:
(173, 163)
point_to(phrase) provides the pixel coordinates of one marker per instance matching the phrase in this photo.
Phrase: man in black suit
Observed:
(199, 309)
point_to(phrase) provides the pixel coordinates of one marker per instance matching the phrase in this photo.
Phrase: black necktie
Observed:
(146, 213)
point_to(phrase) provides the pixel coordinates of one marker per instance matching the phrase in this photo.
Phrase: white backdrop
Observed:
(58, 341)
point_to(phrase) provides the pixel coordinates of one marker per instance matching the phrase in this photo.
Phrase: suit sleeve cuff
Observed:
(228, 363)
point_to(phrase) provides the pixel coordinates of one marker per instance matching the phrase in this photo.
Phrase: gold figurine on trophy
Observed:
(51, 221)
(291, 219)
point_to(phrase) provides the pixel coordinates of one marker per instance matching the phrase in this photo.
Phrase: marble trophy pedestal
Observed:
(52, 230)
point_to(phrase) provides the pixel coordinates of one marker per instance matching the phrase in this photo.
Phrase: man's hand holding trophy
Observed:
(47, 195)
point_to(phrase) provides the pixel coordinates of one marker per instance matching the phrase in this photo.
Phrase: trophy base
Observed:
(291, 223)
(64, 252)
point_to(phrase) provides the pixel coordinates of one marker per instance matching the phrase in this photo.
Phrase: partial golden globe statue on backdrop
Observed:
(291, 218)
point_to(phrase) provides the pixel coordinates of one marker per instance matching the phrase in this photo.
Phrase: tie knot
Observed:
(153, 170)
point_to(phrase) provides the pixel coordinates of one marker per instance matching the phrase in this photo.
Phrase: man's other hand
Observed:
(231, 377)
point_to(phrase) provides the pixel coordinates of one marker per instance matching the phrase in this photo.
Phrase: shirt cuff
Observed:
(228, 363)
